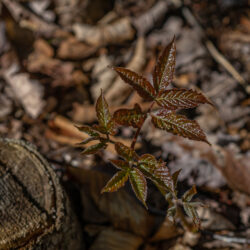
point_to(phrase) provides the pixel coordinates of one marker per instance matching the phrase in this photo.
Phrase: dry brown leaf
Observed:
(110, 239)
(63, 131)
(166, 231)
(86, 113)
(119, 208)
(114, 33)
(28, 92)
(71, 49)
(103, 75)
(136, 64)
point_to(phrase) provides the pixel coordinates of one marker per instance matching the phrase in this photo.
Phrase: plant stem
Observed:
(139, 129)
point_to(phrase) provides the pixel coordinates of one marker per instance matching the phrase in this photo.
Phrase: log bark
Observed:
(35, 212)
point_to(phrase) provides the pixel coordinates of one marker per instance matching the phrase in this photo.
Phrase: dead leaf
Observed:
(28, 92)
(110, 239)
(114, 33)
(119, 208)
(136, 64)
(166, 231)
(71, 49)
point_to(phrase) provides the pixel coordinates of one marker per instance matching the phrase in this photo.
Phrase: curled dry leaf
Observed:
(130, 117)
(136, 64)
(116, 32)
(178, 125)
(180, 99)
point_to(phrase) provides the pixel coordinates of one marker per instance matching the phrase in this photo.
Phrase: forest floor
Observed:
(53, 62)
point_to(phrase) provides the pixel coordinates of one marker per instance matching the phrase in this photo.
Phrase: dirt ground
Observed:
(53, 62)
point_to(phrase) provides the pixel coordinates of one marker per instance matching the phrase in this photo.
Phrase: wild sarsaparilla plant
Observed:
(137, 168)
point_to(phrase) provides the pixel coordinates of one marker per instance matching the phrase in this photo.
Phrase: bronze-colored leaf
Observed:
(138, 82)
(139, 184)
(116, 182)
(94, 148)
(178, 125)
(103, 115)
(192, 213)
(130, 117)
(180, 99)
(87, 129)
(164, 69)
(175, 176)
(125, 152)
(120, 164)
(157, 171)
(188, 195)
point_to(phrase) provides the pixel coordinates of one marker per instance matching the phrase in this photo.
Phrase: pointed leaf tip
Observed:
(116, 182)
(180, 99)
(139, 185)
(178, 125)
(138, 82)
(164, 69)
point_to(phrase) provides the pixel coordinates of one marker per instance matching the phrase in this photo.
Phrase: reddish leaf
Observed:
(130, 117)
(192, 213)
(125, 152)
(116, 182)
(139, 184)
(178, 125)
(88, 130)
(94, 148)
(139, 83)
(175, 177)
(180, 99)
(164, 70)
(103, 115)
(163, 173)
(120, 164)
(188, 195)
(157, 171)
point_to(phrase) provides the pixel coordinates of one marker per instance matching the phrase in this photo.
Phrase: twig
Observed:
(218, 57)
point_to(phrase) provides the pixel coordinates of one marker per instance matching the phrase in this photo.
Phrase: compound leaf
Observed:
(116, 182)
(130, 117)
(120, 164)
(188, 195)
(178, 125)
(125, 152)
(138, 82)
(164, 69)
(139, 184)
(180, 99)
(94, 148)
(106, 123)
(87, 129)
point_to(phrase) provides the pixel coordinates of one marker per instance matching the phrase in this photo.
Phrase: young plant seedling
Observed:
(137, 168)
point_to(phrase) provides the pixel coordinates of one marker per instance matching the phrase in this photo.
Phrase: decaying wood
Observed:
(34, 210)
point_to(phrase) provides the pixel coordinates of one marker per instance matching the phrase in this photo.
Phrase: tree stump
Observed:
(35, 212)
